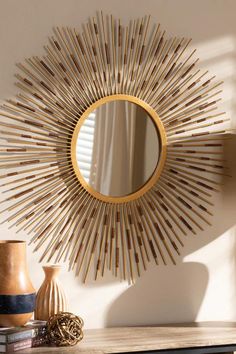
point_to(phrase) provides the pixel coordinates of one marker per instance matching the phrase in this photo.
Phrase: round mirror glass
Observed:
(118, 148)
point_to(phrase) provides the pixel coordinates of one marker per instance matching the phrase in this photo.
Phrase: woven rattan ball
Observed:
(65, 329)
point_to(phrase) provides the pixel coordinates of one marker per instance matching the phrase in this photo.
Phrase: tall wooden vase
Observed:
(17, 295)
(50, 298)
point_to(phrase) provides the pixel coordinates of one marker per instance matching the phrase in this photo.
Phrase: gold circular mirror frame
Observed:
(162, 157)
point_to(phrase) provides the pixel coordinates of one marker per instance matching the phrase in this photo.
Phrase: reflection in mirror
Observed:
(118, 148)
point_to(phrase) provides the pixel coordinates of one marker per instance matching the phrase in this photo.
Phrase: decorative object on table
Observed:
(33, 334)
(51, 297)
(17, 295)
(65, 329)
(164, 134)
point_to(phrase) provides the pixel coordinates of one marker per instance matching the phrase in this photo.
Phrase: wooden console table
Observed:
(195, 338)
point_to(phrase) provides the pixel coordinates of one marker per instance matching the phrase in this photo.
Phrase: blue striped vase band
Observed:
(17, 304)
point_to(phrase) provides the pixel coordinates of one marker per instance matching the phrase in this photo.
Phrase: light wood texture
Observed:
(15, 282)
(131, 339)
(51, 297)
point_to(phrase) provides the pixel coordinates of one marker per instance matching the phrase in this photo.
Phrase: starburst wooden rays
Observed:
(44, 195)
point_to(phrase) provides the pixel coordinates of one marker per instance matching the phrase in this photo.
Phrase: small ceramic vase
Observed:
(17, 295)
(50, 298)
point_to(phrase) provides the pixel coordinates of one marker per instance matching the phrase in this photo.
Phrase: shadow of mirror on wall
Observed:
(161, 296)
(176, 293)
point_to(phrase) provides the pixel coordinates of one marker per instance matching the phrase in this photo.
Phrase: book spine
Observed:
(14, 347)
(31, 333)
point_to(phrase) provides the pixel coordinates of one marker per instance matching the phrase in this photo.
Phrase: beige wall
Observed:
(203, 284)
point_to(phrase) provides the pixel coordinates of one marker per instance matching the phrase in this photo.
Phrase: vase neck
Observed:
(51, 272)
(13, 255)
(14, 277)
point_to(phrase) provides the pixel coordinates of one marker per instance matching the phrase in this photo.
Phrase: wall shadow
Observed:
(168, 294)
(161, 296)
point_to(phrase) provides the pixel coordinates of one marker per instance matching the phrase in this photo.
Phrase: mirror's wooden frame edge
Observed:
(163, 149)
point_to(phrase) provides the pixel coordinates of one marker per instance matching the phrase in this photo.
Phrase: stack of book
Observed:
(13, 339)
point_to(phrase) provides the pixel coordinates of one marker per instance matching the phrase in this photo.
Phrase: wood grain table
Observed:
(189, 338)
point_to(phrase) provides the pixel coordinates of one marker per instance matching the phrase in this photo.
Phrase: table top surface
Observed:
(130, 339)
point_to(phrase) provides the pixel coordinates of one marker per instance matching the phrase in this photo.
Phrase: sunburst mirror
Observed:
(109, 146)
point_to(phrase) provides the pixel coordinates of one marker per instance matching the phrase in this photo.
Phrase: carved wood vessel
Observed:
(50, 298)
(17, 295)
